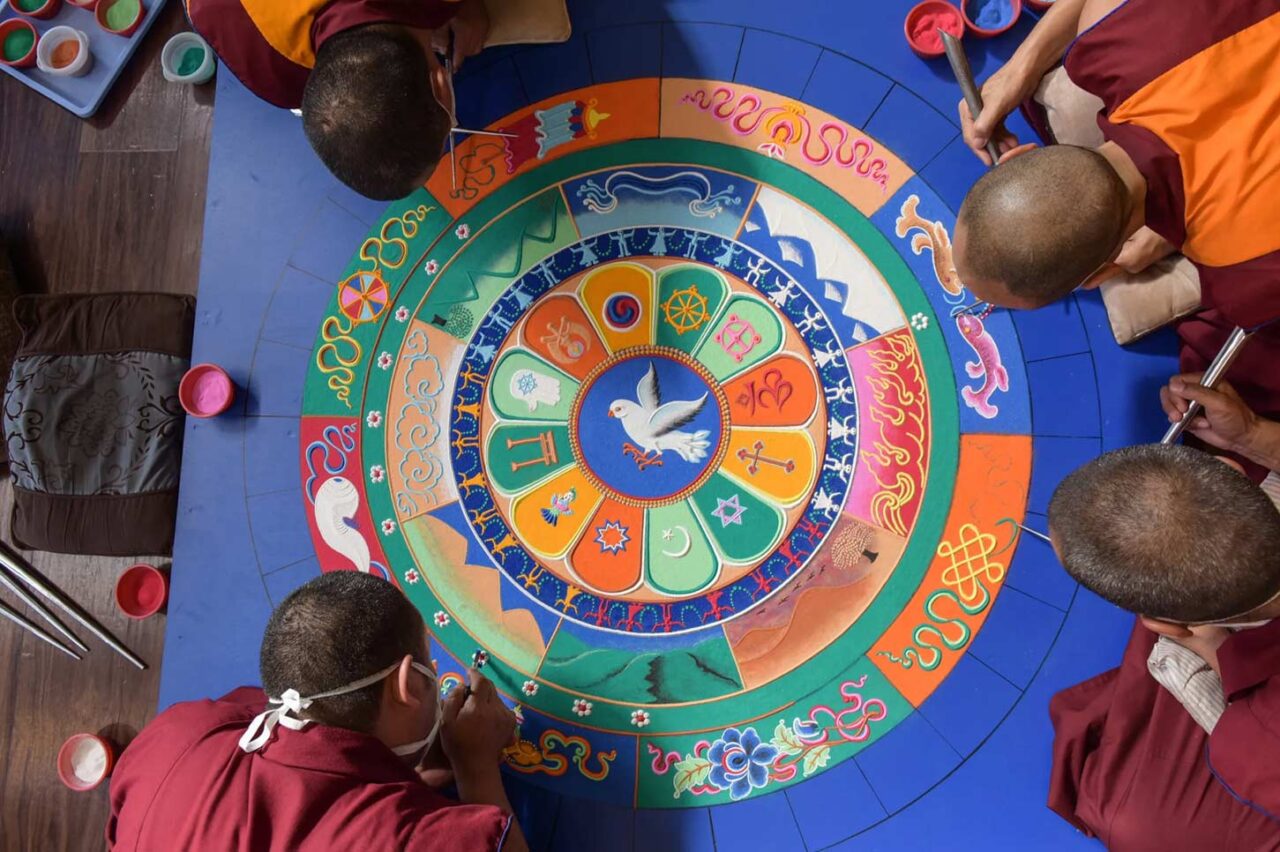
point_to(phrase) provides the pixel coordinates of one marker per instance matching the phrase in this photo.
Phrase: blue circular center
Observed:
(648, 426)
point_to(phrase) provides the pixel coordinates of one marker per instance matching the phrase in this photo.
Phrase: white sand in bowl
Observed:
(88, 761)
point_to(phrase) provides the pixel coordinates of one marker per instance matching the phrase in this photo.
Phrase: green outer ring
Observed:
(825, 667)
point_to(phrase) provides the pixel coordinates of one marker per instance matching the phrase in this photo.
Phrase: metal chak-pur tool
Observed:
(1217, 367)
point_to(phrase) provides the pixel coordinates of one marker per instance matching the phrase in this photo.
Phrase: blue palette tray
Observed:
(83, 95)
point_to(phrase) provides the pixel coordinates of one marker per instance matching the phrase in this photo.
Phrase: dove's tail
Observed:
(692, 447)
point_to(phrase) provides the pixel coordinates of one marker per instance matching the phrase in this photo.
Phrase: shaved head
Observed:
(1039, 224)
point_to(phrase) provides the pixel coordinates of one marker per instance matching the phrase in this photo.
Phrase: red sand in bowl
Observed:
(925, 31)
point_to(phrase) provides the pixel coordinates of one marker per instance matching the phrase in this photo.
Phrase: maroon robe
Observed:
(1132, 768)
(270, 45)
(1120, 61)
(185, 784)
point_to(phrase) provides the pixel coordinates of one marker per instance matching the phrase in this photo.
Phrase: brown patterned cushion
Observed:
(92, 421)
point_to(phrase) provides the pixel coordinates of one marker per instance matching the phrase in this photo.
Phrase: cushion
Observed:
(527, 22)
(93, 424)
(1136, 304)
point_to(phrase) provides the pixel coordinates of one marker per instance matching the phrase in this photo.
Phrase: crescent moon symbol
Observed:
(688, 544)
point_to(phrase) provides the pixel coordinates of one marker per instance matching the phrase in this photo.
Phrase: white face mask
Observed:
(288, 705)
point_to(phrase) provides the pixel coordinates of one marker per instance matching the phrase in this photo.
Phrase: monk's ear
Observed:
(1014, 152)
(1165, 628)
(404, 684)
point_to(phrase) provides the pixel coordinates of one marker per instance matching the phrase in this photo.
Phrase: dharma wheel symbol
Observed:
(686, 310)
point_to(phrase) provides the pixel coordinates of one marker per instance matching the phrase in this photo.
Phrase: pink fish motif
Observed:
(988, 365)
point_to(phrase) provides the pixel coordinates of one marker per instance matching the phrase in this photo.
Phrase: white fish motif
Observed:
(336, 504)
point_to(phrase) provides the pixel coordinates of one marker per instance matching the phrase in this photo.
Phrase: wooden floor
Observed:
(112, 203)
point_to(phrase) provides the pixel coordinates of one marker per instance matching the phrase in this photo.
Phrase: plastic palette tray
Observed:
(83, 95)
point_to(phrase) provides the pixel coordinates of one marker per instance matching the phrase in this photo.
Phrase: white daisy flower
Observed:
(377, 473)
(530, 688)
(441, 618)
(582, 707)
(388, 526)
(639, 718)
(431, 268)
(384, 361)
(411, 576)
(402, 314)
(919, 322)
(374, 419)
(463, 231)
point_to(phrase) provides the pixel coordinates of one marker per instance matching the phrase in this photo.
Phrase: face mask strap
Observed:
(287, 707)
(1219, 622)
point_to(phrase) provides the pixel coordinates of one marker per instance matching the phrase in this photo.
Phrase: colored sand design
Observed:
(925, 31)
(18, 44)
(990, 14)
(65, 53)
(192, 59)
(122, 13)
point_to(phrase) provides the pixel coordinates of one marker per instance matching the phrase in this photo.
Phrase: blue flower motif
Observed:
(740, 762)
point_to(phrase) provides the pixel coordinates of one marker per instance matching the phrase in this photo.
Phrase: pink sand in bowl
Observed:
(925, 30)
(210, 391)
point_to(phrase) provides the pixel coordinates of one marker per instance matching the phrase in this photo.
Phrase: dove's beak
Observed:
(610, 413)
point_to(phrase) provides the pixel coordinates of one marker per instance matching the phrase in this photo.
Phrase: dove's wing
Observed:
(673, 415)
(647, 393)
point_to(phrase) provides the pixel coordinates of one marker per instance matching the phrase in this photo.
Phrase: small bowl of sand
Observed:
(84, 761)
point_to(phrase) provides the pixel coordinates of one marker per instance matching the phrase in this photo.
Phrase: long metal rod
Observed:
(504, 134)
(34, 629)
(1030, 531)
(1219, 366)
(34, 603)
(58, 598)
(968, 86)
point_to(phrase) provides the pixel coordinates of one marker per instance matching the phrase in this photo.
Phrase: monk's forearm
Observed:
(1048, 40)
(1262, 444)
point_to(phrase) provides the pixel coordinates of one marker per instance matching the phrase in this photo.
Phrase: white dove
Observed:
(653, 426)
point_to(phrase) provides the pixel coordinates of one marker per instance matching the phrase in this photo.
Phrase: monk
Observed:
(377, 104)
(1191, 161)
(348, 752)
(1178, 747)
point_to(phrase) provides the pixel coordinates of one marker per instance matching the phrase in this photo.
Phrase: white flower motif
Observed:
(402, 314)
(463, 231)
(374, 419)
(582, 707)
(441, 618)
(411, 576)
(377, 473)
(639, 718)
(431, 268)
(388, 526)
(384, 361)
(530, 688)
(479, 659)
(919, 322)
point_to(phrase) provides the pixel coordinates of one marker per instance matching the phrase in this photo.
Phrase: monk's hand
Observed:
(1224, 421)
(1001, 95)
(477, 731)
(469, 28)
(1142, 249)
(1204, 640)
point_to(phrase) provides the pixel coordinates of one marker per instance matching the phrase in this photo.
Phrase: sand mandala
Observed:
(673, 406)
